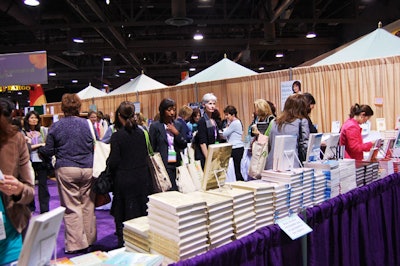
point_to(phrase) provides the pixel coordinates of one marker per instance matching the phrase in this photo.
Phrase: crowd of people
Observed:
(71, 142)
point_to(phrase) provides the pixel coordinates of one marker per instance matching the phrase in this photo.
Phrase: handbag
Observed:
(159, 174)
(301, 152)
(102, 199)
(104, 183)
(184, 181)
(259, 156)
(100, 155)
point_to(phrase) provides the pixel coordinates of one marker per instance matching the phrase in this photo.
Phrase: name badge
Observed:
(171, 156)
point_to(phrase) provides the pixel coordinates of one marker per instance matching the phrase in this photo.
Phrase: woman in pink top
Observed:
(350, 134)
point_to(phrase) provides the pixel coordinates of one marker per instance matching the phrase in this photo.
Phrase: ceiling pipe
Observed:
(178, 11)
(12, 9)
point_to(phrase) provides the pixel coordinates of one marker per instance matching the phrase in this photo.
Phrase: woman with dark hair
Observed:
(129, 168)
(112, 128)
(16, 189)
(310, 105)
(296, 87)
(234, 133)
(350, 133)
(168, 138)
(293, 117)
(70, 140)
(194, 119)
(37, 139)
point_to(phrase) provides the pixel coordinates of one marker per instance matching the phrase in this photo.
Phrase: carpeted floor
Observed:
(106, 240)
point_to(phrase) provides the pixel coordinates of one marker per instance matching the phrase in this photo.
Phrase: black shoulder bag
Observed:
(302, 153)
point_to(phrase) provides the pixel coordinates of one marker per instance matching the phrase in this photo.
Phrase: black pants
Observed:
(40, 169)
(127, 207)
(237, 155)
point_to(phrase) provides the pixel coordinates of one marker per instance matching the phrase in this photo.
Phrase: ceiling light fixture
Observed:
(122, 71)
(74, 81)
(311, 35)
(279, 55)
(198, 36)
(52, 74)
(32, 2)
(194, 56)
(78, 40)
(106, 59)
(261, 68)
(192, 69)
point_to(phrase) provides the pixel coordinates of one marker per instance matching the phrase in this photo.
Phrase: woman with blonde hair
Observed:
(262, 114)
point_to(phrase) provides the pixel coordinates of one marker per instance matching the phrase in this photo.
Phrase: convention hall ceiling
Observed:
(156, 37)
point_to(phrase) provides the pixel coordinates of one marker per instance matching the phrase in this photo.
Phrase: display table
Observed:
(361, 227)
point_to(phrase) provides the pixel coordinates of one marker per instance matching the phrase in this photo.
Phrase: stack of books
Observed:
(244, 216)
(263, 200)
(371, 172)
(281, 200)
(307, 187)
(177, 225)
(220, 218)
(327, 175)
(360, 173)
(332, 187)
(347, 175)
(396, 165)
(386, 167)
(136, 234)
(294, 181)
(318, 188)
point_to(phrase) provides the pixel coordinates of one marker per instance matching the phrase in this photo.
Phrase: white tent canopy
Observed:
(377, 44)
(90, 92)
(224, 69)
(138, 84)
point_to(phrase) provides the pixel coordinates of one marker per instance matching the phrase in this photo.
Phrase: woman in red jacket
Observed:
(350, 134)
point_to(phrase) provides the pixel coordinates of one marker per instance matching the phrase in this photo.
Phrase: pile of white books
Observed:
(331, 173)
(220, 218)
(263, 200)
(386, 167)
(177, 225)
(318, 188)
(244, 216)
(293, 180)
(347, 175)
(307, 187)
(136, 235)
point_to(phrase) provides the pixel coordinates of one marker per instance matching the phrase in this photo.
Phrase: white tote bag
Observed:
(259, 156)
(101, 153)
(196, 172)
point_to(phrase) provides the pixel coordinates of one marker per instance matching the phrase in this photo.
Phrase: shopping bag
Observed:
(159, 174)
(196, 172)
(259, 156)
(230, 174)
(101, 153)
(245, 164)
(184, 181)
